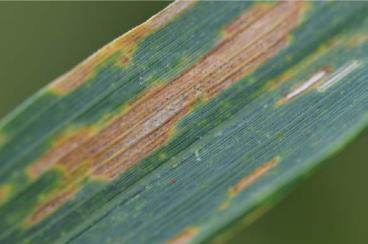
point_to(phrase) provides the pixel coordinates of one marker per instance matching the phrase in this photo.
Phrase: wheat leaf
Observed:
(186, 126)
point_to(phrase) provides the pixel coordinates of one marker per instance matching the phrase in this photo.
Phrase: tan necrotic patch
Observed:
(49, 207)
(186, 236)
(248, 180)
(254, 176)
(62, 146)
(150, 120)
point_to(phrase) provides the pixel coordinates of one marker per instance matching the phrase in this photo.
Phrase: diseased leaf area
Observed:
(186, 124)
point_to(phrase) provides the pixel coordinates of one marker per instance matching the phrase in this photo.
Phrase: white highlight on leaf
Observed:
(310, 82)
(196, 153)
(339, 75)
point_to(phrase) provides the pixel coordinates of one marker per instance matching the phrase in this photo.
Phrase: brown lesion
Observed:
(248, 18)
(5, 191)
(253, 177)
(248, 180)
(126, 45)
(186, 236)
(62, 146)
(148, 122)
(118, 160)
(206, 79)
(51, 206)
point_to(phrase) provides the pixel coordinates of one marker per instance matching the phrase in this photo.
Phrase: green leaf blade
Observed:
(212, 160)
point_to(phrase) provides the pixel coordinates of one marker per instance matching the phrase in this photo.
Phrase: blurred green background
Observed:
(41, 40)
